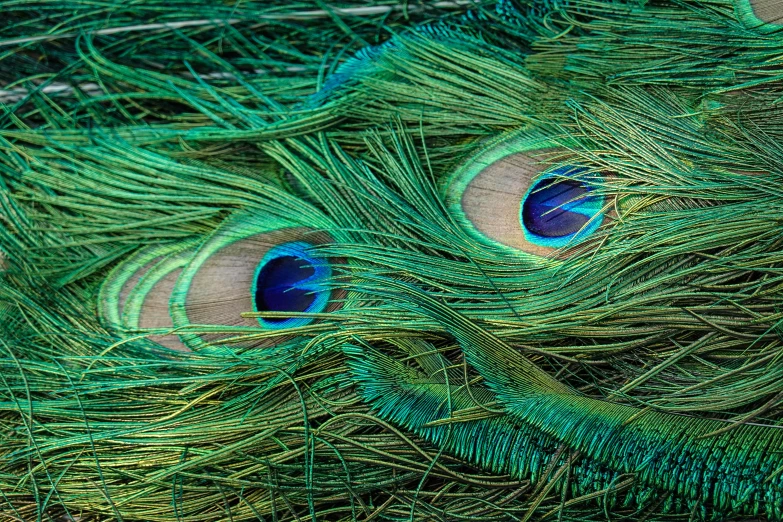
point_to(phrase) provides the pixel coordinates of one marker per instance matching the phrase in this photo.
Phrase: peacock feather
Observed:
(496, 260)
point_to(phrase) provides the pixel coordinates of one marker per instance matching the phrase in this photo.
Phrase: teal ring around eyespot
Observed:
(321, 272)
(743, 10)
(590, 207)
(109, 294)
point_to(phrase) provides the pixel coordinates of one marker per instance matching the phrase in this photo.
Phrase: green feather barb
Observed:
(468, 260)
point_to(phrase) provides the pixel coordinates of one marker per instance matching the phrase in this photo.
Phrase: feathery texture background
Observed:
(156, 156)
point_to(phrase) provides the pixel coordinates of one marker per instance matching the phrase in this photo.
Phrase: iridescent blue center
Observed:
(558, 211)
(288, 279)
(276, 289)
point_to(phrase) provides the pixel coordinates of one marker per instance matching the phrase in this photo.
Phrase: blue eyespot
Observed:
(504, 197)
(288, 279)
(556, 212)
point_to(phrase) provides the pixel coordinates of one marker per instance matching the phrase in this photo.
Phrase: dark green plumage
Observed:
(444, 362)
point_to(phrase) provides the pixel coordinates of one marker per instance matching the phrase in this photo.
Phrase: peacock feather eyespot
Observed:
(504, 196)
(557, 212)
(249, 264)
(252, 263)
(290, 279)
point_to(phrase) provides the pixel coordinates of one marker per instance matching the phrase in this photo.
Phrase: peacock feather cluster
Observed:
(465, 260)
